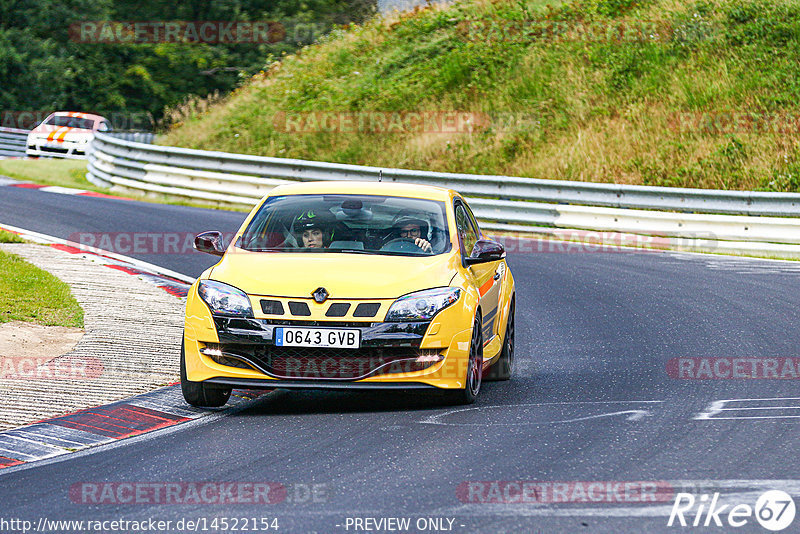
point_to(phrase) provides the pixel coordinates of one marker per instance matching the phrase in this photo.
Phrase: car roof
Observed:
(365, 188)
(79, 114)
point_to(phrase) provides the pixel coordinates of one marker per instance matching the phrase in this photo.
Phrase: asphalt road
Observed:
(591, 401)
(156, 233)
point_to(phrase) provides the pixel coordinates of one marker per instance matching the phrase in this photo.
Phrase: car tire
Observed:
(474, 370)
(200, 394)
(504, 366)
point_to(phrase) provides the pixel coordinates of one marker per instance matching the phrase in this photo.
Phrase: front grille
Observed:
(331, 324)
(298, 363)
(366, 309)
(337, 309)
(299, 308)
(272, 307)
(54, 150)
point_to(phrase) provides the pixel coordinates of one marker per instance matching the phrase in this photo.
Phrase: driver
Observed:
(410, 226)
(313, 229)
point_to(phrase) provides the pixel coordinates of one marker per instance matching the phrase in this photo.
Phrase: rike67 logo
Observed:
(774, 510)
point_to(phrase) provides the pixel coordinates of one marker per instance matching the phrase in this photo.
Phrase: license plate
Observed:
(317, 337)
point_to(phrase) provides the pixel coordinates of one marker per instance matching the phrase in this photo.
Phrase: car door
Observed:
(486, 276)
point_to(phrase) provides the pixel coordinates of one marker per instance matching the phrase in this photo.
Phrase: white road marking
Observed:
(719, 406)
(62, 190)
(635, 415)
(740, 265)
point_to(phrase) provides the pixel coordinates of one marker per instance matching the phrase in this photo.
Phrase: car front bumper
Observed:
(68, 150)
(391, 356)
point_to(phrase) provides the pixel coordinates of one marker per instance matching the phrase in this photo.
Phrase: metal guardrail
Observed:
(500, 202)
(13, 142)
(596, 194)
(139, 137)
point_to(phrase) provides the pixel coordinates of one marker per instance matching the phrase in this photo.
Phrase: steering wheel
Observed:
(401, 244)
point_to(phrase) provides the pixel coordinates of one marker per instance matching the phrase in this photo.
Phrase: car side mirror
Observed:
(210, 243)
(485, 251)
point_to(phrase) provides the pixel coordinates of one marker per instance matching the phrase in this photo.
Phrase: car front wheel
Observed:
(504, 366)
(200, 394)
(474, 370)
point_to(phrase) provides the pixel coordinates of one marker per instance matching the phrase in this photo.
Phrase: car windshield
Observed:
(70, 122)
(360, 224)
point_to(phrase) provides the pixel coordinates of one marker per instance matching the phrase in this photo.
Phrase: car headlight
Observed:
(422, 305)
(223, 299)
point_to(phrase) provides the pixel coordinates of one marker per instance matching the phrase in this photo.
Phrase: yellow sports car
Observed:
(350, 285)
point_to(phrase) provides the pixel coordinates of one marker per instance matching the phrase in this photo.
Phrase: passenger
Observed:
(313, 229)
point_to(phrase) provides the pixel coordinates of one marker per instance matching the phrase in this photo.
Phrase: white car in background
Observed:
(65, 134)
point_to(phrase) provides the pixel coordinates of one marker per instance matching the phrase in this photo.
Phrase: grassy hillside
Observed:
(656, 92)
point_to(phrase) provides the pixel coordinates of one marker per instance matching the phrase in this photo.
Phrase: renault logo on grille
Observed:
(320, 294)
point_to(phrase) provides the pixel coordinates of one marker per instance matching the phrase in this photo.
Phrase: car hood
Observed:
(48, 129)
(348, 276)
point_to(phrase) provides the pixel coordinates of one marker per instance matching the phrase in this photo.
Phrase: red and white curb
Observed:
(118, 420)
(56, 189)
(137, 415)
(170, 281)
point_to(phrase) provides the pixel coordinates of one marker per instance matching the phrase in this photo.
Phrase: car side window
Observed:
(473, 220)
(467, 233)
